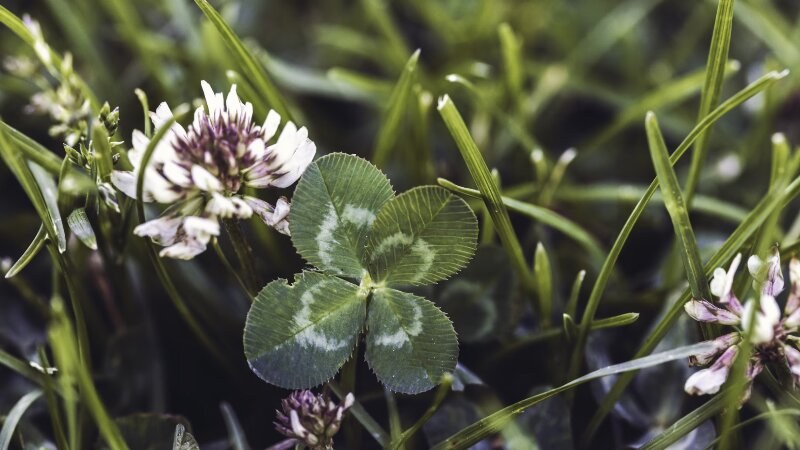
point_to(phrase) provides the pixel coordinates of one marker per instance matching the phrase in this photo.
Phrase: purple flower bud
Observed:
(793, 361)
(311, 419)
(720, 344)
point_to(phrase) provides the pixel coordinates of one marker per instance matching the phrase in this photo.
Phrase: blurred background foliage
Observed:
(533, 78)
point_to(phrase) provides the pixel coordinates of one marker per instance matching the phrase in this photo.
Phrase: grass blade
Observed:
(676, 207)
(33, 249)
(495, 422)
(488, 189)
(544, 284)
(32, 150)
(511, 48)
(248, 65)
(687, 423)
(15, 415)
(235, 432)
(395, 111)
(543, 215)
(712, 88)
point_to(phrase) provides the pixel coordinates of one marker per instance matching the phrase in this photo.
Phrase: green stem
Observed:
(244, 253)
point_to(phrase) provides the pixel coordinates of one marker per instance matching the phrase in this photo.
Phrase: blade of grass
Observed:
(687, 423)
(666, 95)
(511, 47)
(15, 415)
(766, 29)
(488, 189)
(631, 194)
(543, 215)
(32, 150)
(712, 89)
(444, 389)
(544, 284)
(33, 249)
(495, 422)
(235, 432)
(65, 350)
(394, 113)
(676, 207)
(378, 13)
(363, 417)
(248, 65)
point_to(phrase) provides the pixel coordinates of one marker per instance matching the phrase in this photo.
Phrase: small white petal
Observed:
(183, 250)
(297, 427)
(221, 206)
(212, 99)
(771, 310)
(162, 231)
(754, 264)
(126, 183)
(177, 174)
(232, 102)
(204, 180)
(271, 124)
(201, 228)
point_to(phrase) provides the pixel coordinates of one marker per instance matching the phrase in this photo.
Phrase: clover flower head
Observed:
(200, 171)
(312, 420)
(771, 332)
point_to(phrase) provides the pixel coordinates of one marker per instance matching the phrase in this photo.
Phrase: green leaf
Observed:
(248, 65)
(676, 207)
(410, 342)
(14, 416)
(298, 336)
(333, 208)
(422, 236)
(79, 223)
(49, 191)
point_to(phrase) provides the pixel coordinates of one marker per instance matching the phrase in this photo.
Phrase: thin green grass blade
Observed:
(15, 415)
(543, 215)
(395, 111)
(687, 423)
(235, 432)
(631, 194)
(495, 422)
(488, 189)
(511, 48)
(712, 88)
(544, 284)
(32, 150)
(676, 207)
(33, 249)
(248, 65)
(766, 29)
(664, 96)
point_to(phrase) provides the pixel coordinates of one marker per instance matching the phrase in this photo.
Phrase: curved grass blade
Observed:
(712, 88)
(496, 421)
(33, 249)
(543, 215)
(15, 415)
(687, 423)
(488, 189)
(235, 432)
(395, 111)
(248, 65)
(32, 150)
(676, 207)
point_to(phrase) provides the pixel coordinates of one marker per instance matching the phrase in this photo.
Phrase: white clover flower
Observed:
(771, 331)
(200, 171)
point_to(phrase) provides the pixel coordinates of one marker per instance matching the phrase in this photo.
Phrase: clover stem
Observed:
(244, 253)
